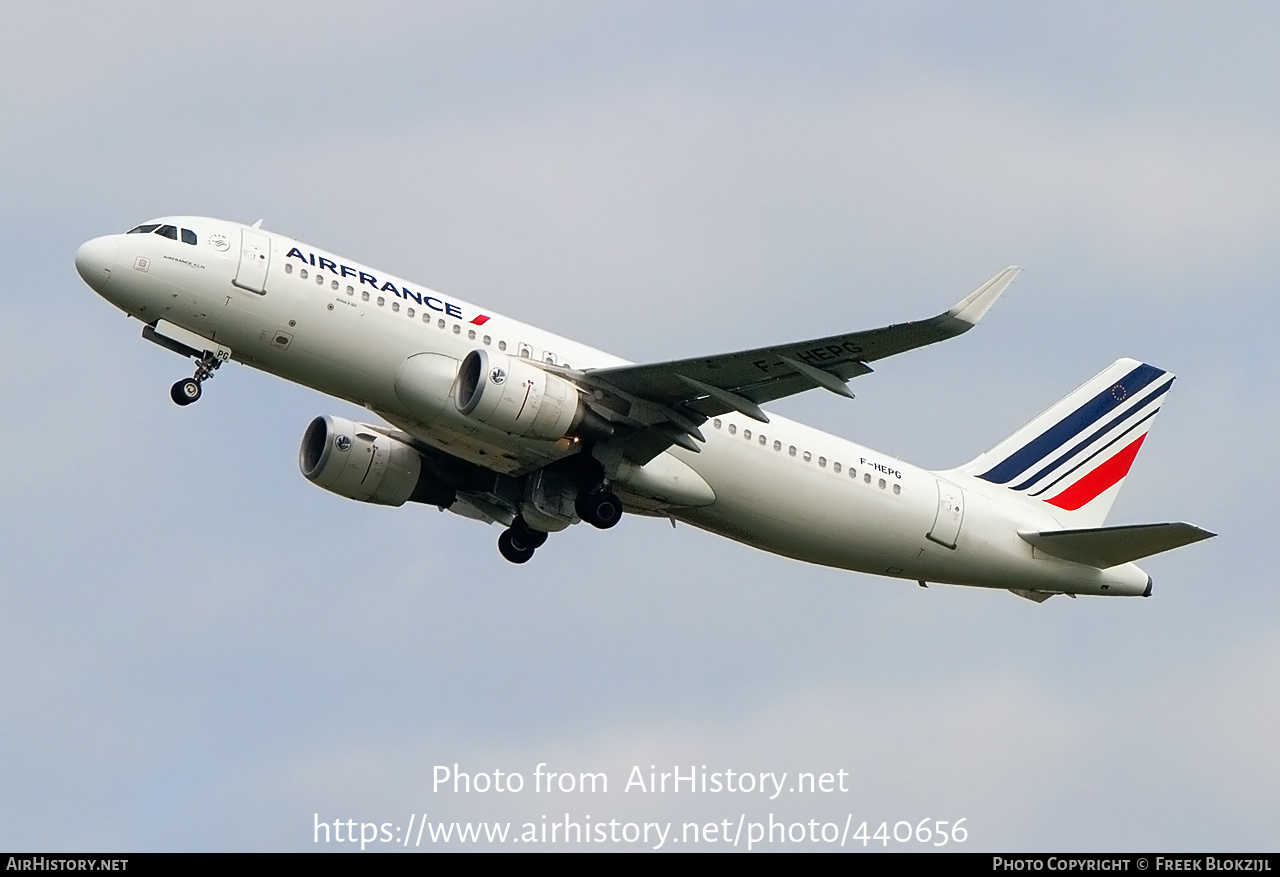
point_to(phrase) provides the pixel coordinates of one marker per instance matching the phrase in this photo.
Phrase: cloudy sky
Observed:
(199, 650)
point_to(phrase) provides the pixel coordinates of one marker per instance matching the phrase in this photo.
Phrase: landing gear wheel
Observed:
(528, 536)
(185, 392)
(513, 547)
(601, 509)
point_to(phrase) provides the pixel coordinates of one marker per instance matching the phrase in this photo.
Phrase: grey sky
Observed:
(199, 650)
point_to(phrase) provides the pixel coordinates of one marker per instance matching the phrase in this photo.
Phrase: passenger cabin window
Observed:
(188, 237)
(168, 231)
(143, 229)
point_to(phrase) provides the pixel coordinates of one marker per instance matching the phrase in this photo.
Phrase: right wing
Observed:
(665, 403)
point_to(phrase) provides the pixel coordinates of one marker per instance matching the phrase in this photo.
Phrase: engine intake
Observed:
(517, 397)
(352, 460)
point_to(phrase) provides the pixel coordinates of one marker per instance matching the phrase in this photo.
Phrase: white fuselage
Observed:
(348, 330)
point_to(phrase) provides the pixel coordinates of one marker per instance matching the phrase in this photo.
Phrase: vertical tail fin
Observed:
(1075, 456)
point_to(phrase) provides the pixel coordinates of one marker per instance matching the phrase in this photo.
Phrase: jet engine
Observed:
(352, 460)
(516, 396)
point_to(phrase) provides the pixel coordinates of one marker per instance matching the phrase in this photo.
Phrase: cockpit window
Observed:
(168, 231)
(188, 236)
(143, 229)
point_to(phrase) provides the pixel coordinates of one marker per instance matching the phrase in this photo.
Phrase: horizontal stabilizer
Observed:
(1105, 547)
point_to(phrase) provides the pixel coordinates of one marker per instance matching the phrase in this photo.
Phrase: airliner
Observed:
(499, 421)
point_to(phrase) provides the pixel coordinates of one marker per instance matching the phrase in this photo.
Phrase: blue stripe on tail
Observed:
(1072, 425)
(1107, 427)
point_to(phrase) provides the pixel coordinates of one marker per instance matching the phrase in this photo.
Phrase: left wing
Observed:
(665, 403)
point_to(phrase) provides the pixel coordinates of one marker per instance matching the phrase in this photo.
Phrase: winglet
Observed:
(976, 305)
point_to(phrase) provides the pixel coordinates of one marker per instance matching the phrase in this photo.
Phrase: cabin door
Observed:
(946, 526)
(255, 258)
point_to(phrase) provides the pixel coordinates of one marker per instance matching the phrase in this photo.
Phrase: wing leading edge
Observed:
(666, 402)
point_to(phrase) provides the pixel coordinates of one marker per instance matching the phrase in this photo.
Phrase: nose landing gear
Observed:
(186, 391)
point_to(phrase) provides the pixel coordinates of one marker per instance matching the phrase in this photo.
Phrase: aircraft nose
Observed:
(94, 261)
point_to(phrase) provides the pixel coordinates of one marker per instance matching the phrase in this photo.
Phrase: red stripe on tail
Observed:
(1088, 488)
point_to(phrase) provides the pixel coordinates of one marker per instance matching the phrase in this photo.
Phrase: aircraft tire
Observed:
(601, 509)
(513, 548)
(185, 392)
(535, 539)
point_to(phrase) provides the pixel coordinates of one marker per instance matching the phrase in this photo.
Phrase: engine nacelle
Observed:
(515, 396)
(352, 460)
